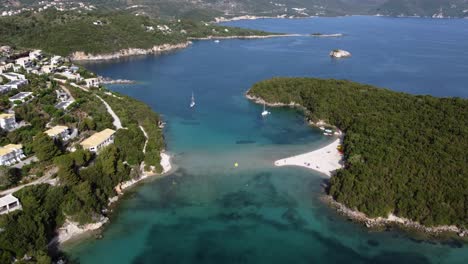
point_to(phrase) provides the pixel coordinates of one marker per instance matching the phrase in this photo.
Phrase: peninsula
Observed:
(100, 36)
(403, 154)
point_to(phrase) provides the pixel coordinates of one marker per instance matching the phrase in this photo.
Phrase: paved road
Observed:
(146, 136)
(44, 179)
(27, 161)
(116, 123)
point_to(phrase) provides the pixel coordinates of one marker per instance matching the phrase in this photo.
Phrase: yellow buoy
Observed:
(236, 164)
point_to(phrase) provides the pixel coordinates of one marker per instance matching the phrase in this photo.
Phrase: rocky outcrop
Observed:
(83, 56)
(71, 229)
(338, 53)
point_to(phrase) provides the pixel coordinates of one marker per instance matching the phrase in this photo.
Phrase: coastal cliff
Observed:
(82, 56)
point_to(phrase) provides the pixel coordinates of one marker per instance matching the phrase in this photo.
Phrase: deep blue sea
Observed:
(208, 211)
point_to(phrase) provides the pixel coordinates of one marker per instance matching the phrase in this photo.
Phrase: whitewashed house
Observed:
(22, 96)
(11, 154)
(70, 76)
(59, 132)
(15, 84)
(13, 76)
(92, 82)
(9, 203)
(99, 140)
(35, 54)
(56, 60)
(8, 122)
(23, 61)
(48, 69)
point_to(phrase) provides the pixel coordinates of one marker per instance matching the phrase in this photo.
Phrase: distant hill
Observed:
(96, 32)
(208, 9)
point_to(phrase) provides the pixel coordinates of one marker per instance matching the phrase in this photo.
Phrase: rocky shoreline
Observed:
(361, 217)
(259, 100)
(392, 220)
(82, 56)
(248, 37)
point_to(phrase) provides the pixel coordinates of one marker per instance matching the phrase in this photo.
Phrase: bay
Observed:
(209, 211)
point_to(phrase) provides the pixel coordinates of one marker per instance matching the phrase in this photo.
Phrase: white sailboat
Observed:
(192, 103)
(265, 112)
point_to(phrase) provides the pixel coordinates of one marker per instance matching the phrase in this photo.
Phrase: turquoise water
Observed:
(207, 211)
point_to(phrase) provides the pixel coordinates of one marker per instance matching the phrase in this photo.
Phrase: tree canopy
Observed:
(404, 154)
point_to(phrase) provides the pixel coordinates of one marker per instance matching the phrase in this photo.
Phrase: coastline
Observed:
(253, 17)
(72, 230)
(82, 56)
(249, 37)
(325, 160)
(341, 208)
(392, 219)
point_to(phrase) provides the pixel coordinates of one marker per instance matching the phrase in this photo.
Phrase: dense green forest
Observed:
(65, 32)
(404, 154)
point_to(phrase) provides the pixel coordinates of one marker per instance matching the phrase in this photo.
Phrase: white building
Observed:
(71, 76)
(99, 140)
(13, 85)
(64, 104)
(92, 82)
(22, 96)
(8, 122)
(59, 132)
(48, 69)
(11, 154)
(35, 54)
(23, 62)
(13, 76)
(56, 60)
(9, 203)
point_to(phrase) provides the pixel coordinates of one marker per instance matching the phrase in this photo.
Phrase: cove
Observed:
(208, 211)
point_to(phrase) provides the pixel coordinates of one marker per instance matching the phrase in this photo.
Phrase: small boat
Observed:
(192, 103)
(216, 41)
(265, 112)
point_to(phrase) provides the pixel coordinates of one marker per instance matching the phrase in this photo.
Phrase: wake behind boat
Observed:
(192, 103)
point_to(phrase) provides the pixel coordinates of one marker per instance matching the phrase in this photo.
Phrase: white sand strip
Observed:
(324, 160)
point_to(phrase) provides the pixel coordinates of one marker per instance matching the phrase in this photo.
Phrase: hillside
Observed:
(404, 154)
(94, 32)
(208, 9)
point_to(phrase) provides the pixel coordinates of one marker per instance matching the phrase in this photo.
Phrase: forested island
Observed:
(404, 154)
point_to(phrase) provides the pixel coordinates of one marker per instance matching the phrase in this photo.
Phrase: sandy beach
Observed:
(71, 230)
(324, 160)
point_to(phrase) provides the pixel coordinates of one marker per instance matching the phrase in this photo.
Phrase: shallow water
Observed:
(207, 211)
